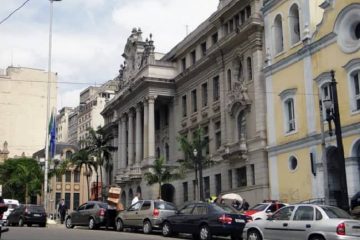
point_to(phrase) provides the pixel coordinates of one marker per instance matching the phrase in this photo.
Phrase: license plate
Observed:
(37, 215)
(239, 220)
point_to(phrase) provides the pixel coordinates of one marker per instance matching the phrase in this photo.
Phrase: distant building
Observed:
(23, 108)
(62, 124)
(4, 152)
(73, 127)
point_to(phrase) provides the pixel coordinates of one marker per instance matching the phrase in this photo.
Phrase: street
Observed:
(59, 232)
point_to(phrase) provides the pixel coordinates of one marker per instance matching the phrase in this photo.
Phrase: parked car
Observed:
(11, 204)
(27, 214)
(202, 220)
(263, 210)
(355, 201)
(93, 214)
(305, 222)
(145, 214)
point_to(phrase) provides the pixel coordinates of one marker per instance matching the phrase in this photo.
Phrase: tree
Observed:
(21, 178)
(82, 159)
(160, 173)
(98, 146)
(193, 153)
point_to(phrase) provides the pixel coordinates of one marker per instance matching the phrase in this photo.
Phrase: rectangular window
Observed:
(67, 199)
(214, 38)
(241, 177)
(217, 134)
(357, 90)
(194, 101)
(237, 20)
(226, 28)
(230, 179)
(290, 115)
(184, 107)
(206, 139)
(183, 64)
(166, 116)
(68, 177)
(204, 93)
(59, 178)
(185, 191)
(206, 187)
(193, 57)
(218, 184)
(242, 16)
(203, 49)
(252, 174)
(76, 200)
(248, 11)
(216, 88)
(231, 25)
(57, 199)
(194, 190)
(77, 176)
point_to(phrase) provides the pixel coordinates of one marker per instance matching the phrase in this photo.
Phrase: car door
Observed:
(198, 215)
(302, 222)
(276, 227)
(142, 213)
(180, 220)
(129, 215)
(75, 217)
(85, 215)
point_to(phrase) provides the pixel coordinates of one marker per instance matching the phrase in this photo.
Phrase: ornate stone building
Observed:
(212, 79)
(4, 152)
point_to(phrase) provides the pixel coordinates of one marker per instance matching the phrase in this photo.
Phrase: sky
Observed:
(89, 35)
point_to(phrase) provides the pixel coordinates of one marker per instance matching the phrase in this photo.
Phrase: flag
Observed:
(52, 133)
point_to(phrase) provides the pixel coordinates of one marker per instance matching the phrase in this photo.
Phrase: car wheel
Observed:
(147, 228)
(119, 225)
(68, 223)
(29, 224)
(92, 224)
(167, 229)
(21, 222)
(254, 235)
(317, 238)
(205, 233)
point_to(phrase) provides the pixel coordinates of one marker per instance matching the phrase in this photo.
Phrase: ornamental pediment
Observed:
(238, 95)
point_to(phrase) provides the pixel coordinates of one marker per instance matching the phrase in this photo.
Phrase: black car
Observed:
(355, 201)
(93, 214)
(27, 214)
(203, 220)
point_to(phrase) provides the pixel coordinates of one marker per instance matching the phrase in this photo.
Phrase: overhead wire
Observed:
(17, 9)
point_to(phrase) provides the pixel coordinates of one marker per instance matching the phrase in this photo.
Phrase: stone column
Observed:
(123, 143)
(151, 139)
(146, 128)
(138, 140)
(119, 145)
(131, 141)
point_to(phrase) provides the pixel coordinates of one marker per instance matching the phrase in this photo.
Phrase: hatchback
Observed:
(27, 214)
(305, 222)
(11, 204)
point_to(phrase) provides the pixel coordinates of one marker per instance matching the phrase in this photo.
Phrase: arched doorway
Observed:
(167, 192)
(131, 195)
(138, 190)
(354, 169)
(123, 199)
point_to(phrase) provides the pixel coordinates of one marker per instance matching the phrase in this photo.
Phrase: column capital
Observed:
(138, 107)
(123, 118)
(131, 114)
(151, 99)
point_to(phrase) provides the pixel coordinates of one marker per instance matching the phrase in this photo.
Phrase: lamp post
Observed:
(48, 107)
(333, 114)
(199, 167)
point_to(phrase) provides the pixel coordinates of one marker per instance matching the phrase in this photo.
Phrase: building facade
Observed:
(212, 80)
(63, 124)
(24, 108)
(4, 153)
(73, 127)
(305, 41)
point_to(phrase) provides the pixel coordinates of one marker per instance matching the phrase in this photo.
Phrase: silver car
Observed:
(145, 214)
(304, 222)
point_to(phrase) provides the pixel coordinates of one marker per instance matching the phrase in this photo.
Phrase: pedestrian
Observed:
(245, 205)
(136, 198)
(62, 209)
(236, 204)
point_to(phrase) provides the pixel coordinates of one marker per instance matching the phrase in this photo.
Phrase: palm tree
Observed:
(193, 153)
(82, 159)
(60, 168)
(160, 173)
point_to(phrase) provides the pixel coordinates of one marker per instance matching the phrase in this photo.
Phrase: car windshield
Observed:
(37, 209)
(103, 205)
(334, 212)
(11, 206)
(222, 208)
(164, 205)
(259, 207)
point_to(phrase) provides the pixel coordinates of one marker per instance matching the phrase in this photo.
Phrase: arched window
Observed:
(123, 198)
(289, 115)
(131, 195)
(158, 153)
(68, 154)
(167, 152)
(278, 34)
(294, 24)
(293, 163)
(240, 71)
(229, 79)
(249, 67)
(241, 125)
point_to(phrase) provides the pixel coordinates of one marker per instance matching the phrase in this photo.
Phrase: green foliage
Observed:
(60, 169)
(21, 178)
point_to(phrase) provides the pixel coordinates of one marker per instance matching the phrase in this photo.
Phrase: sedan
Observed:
(203, 220)
(305, 222)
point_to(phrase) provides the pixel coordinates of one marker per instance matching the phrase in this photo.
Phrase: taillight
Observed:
(101, 212)
(156, 212)
(225, 219)
(340, 230)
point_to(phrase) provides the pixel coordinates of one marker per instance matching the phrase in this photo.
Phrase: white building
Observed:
(62, 124)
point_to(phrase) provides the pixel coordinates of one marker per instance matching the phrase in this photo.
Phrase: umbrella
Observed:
(232, 196)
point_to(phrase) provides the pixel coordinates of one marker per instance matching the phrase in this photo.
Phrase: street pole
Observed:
(324, 159)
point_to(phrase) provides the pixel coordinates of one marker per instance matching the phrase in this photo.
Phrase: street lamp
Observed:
(333, 114)
(48, 107)
(198, 164)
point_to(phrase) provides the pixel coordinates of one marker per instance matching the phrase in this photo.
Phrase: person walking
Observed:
(136, 198)
(62, 209)
(245, 205)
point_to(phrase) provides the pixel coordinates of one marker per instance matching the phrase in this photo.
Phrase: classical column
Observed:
(117, 163)
(123, 143)
(131, 142)
(146, 128)
(138, 140)
(151, 139)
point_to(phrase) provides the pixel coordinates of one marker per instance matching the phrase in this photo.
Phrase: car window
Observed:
(37, 209)
(135, 206)
(334, 212)
(223, 208)
(82, 207)
(274, 207)
(283, 213)
(187, 209)
(164, 205)
(89, 206)
(146, 205)
(259, 207)
(103, 205)
(200, 210)
(304, 213)
(318, 215)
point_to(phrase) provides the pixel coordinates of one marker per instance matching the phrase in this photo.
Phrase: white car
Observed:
(264, 210)
(305, 222)
(11, 204)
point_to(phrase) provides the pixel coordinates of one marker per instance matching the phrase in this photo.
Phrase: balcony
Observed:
(135, 173)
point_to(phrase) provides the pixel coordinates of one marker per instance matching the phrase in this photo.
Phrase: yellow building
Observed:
(305, 41)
